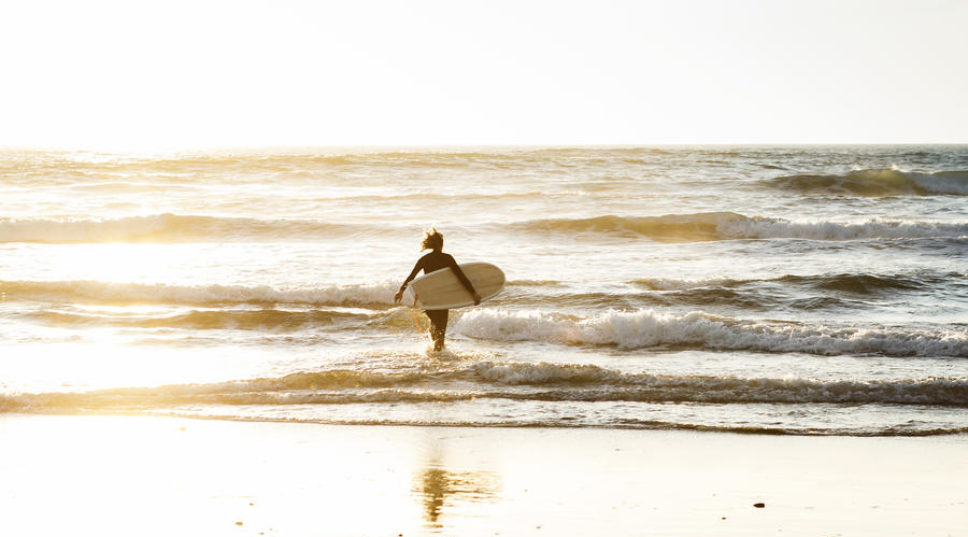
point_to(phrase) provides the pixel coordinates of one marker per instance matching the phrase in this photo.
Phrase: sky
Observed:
(182, 74)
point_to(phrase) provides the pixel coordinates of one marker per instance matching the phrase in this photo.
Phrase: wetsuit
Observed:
(437, 260)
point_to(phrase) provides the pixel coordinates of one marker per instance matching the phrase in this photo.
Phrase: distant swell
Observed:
(879, 182)
(164, 228)
(732, 226)
(648, 329)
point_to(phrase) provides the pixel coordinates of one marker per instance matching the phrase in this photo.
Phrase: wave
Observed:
(534, 283)
(722, 297)
(709, 389)
(281, 390)
(88, 291)
(648, 329)
(297, 160)
(879, 182)
(837, 291)
(234, 168)
(571, 421)
(713, 226)
(732, 226)
(540, 381)
(381, 293)
(272, 320)
(166, 228)
(866, 284)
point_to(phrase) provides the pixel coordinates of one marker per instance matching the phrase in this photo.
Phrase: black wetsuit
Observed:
(438, 318)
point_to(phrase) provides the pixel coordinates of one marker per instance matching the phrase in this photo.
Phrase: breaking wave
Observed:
(648, 329)
(733, 226)
(878, 182)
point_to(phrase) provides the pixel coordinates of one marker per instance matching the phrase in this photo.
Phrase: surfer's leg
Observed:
(438, 327)
(442, 325)
(436, 333)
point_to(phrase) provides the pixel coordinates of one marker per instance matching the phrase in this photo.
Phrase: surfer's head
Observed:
(432, 240)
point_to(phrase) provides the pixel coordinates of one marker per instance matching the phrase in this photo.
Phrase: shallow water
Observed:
(803, 290)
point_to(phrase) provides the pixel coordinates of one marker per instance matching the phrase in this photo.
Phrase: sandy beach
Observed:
(103, 475)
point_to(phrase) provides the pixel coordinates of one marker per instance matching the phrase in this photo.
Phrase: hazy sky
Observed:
(108, 74)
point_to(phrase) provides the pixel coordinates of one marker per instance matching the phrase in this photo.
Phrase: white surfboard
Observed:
(441, 290)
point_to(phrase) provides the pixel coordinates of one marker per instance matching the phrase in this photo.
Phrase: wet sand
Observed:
(107, 476)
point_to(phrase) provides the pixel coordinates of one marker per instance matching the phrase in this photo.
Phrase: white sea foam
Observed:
(647, 328)
(544, 372)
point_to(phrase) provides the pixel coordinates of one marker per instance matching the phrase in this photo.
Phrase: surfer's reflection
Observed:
(438, 487)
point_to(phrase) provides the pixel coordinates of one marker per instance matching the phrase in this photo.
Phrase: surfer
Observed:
(437, 260)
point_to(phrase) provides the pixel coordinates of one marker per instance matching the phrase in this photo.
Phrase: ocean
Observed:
(806, 290)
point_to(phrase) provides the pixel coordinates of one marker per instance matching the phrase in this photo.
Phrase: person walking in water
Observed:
(437, 260)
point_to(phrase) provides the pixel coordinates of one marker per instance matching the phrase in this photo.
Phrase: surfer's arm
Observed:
(413, 274)
(463, 280)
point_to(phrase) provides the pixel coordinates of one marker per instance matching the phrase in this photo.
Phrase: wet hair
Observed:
(433, 240)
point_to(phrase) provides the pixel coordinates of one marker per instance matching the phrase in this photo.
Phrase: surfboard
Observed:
(441, 290)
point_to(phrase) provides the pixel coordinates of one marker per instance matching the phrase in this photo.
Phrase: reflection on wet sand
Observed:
(438, 487)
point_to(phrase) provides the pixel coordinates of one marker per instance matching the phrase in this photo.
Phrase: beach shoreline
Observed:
(126, 475)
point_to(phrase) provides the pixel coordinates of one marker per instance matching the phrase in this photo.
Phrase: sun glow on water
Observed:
(736, 274)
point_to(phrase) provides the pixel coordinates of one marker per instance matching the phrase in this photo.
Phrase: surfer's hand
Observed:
(477, 299)
(398, 297)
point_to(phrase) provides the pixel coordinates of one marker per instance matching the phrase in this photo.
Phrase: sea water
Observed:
(796, 290)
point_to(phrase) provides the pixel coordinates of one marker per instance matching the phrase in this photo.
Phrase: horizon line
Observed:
(160, 148)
